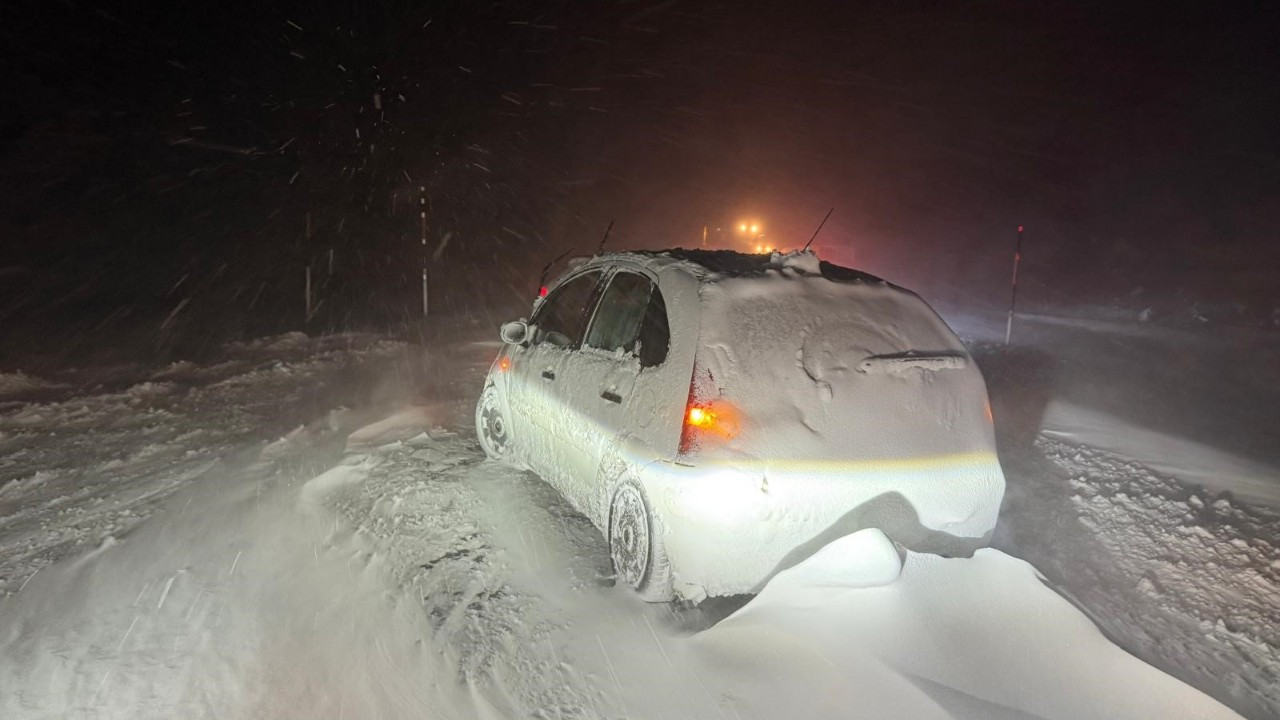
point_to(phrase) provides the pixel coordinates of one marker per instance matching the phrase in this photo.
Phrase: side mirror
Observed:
(515, 332)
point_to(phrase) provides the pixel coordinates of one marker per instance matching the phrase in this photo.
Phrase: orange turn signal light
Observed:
(701, 417)
(703, 423)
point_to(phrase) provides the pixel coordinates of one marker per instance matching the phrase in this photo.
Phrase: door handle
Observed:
(611, 397)
(548, 375)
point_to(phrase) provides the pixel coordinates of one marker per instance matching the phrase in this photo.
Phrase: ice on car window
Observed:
(560, 319)
(633, 319)
(616, 325)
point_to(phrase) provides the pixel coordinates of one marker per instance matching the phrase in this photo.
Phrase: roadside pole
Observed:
(307, 248)
(1013, 297)
(422, 215)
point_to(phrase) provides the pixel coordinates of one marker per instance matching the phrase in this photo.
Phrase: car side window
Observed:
(561, 317)
(632, 318)
(655, 332)
(616, 325)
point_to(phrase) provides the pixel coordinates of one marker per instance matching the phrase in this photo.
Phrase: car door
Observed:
(624, 337)
(538, 368)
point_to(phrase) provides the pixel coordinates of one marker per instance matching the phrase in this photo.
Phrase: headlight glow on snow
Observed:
(720, 497)
(722, 491)
(898, 465)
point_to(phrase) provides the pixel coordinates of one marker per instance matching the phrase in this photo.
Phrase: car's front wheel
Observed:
(491, 424)
(635, 545)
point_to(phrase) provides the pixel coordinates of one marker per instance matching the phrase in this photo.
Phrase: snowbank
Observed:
(965, 638)
(14, 384)
(1189, 460)
(97, 462)
(1184, 577)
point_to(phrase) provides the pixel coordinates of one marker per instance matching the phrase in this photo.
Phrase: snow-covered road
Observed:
(414, 576)
(95, 451)
(394, 573)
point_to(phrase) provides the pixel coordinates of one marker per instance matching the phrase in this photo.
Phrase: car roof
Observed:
(713, 265)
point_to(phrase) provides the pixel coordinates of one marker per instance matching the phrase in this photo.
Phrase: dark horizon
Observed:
(160, 164)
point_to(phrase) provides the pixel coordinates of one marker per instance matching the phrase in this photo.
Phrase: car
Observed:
(721, 416)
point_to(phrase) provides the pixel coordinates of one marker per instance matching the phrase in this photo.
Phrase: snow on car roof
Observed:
(713, 265)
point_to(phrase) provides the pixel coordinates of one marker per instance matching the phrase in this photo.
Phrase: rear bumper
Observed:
(728, 528)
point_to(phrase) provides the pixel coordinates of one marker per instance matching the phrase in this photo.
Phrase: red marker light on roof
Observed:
(542, 291)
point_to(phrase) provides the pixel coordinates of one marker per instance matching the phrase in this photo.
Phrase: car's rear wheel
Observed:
(635, 545)
(491, 424)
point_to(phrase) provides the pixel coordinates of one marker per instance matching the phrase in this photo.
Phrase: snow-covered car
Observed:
(722, 416)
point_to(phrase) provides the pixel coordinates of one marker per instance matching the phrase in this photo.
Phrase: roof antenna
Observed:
(542, 279)
(605, 239)
(815, 232)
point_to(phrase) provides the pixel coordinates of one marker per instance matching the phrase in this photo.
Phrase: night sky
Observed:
(159, 162)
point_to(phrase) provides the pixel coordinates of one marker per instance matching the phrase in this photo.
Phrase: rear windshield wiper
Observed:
(901, 362)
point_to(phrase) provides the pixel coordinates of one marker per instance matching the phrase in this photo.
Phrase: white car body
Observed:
(839, 402)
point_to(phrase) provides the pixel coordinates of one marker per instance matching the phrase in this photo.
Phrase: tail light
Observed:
(707, 418)
(700, 417)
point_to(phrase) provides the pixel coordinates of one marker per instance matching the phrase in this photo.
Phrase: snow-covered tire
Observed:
(492, 429)
(635, 544)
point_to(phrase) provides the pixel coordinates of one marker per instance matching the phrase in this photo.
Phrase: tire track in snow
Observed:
(428, 507)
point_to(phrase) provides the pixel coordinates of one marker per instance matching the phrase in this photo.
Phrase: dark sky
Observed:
(159, 161)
